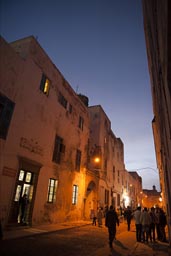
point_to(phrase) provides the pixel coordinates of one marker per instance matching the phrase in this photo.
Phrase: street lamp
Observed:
(97, 160)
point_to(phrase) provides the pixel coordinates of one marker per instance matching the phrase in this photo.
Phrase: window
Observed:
(28, 177)
(24, 184)
(74, 194)
(6, 111)
(45, 85)
(81, 123)
(59, 149)
(52, 191)
(62, 100)
(21, 175)
(78, 160)
(17, 193)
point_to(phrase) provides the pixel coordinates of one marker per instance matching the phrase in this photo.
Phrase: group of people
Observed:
(148, 223)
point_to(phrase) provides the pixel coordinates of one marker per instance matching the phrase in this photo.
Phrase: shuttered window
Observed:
(78, 160)
(59, 149)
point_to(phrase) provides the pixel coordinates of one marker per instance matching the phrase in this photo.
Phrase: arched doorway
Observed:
(91, 199)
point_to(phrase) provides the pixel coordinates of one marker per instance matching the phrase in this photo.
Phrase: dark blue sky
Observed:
(99, 47)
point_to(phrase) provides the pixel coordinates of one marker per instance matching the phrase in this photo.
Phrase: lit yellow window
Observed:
(46, 87)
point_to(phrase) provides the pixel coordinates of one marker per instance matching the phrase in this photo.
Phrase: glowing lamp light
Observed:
(97, 160)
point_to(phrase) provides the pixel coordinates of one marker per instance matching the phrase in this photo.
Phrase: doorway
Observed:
(24, 186)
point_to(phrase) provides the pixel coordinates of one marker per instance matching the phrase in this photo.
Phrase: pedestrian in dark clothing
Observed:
(111, 220)
(93, 217)
(153, 224)
(128, 216)
(162, 224)
(23, 204)
(94, 220)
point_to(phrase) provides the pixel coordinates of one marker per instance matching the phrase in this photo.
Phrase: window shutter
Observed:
(42, 83)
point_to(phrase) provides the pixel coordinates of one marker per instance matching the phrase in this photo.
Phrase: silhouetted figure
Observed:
(128, 216)
(93, 217)
(110, 222)
(153, 224)
(162, 224)
(94, 220)
(23, 204)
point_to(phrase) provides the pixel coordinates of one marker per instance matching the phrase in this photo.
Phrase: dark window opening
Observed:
(6, 111)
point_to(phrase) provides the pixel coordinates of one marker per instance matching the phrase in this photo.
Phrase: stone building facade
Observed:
(157, 28)
(49, 138)
(116, 185)
(44, 141)
(151, 198)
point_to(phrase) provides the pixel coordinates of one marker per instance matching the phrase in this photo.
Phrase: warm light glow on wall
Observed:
(126, 200)
(160, 199)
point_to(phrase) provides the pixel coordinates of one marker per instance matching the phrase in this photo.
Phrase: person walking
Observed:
(111, 220)
(138, 224)
(128, 216)
(145, 219)
(93, 217)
